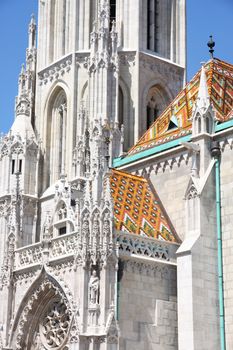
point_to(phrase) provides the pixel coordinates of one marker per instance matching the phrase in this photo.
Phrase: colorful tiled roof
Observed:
(138, 209)
(175, 121)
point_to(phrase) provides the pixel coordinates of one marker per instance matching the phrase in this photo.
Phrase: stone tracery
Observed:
(55, 325)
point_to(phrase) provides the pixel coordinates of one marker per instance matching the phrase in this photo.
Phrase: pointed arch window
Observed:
(156, 103)
(56, 136)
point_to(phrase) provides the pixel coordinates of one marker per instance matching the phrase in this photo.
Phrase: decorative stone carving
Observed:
(4, 208)
(192, 192)
(7, 266)
(152, 269)
(55, 325)
(28, 256)
(23, 107)
(142, 246)
(127, 59)
(63, 245)
(55, 71)
(56, 318)
(74, 332)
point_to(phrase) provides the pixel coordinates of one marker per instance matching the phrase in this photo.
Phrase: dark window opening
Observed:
(20, 166)
(13, 167)
(62, 231)
(152, 25)
(152, 115)
(120, 108)
(112, 11)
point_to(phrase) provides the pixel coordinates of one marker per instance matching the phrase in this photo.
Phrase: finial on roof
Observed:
(211, 45)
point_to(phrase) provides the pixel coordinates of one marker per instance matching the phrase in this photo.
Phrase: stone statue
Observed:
(94, 285)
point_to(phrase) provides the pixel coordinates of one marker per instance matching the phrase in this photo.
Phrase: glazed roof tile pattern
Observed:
(219, 76)
(138, 209)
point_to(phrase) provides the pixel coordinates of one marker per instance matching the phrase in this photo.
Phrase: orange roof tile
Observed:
(219, 76)
(138, 209)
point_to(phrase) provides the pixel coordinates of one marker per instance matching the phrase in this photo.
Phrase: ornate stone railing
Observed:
(63, 245)
(130, 244)
(28, 255)
(57, 248)
(67, 245)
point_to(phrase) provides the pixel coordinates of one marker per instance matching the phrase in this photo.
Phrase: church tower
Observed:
(124, 60)
(101, 73)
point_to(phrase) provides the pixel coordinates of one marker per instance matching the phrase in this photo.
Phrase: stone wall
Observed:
(226, 168)
(147, 306)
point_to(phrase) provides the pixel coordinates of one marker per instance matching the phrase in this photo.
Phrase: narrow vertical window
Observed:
(62, 135)
(152, 25)
(152, 114)
(13, 167)
(64, 14)
(112, 10)
(120, 107)
(20, 166)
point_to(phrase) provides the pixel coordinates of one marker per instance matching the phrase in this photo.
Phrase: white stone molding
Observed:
(166, 71)
(162, 166)
(55, 71)
(152, 269)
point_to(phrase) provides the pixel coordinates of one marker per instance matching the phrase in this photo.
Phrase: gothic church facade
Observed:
(116, 185)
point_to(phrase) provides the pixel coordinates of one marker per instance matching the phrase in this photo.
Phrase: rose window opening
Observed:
(55, 326)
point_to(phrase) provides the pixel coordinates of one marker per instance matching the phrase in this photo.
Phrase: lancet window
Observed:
(155, 105)
(161, 26)
(56, 135)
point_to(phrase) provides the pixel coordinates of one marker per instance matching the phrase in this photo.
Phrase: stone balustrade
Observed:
(63, 245)
(130, 244)
(66, 245)
(28, 255)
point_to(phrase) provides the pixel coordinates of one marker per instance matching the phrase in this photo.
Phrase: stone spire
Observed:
(203, 114)
(203, 98)
(24, 108)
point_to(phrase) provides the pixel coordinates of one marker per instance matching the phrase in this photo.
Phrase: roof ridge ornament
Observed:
(211, 45)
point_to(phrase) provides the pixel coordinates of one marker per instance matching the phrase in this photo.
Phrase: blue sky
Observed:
(204, 17)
